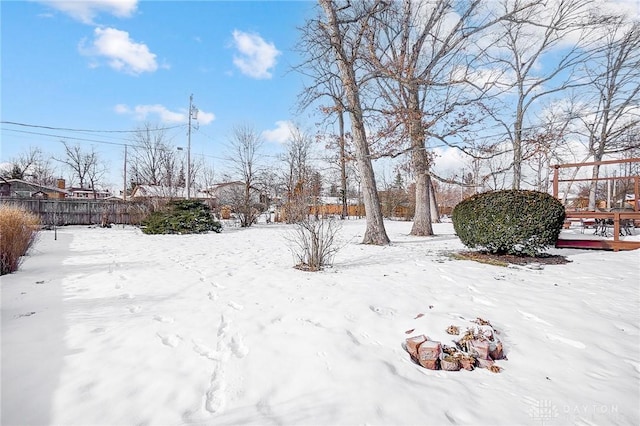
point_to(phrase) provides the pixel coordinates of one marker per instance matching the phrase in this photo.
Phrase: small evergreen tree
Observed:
(181, 217)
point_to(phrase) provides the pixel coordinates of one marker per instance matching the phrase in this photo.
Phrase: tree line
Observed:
(514, 85)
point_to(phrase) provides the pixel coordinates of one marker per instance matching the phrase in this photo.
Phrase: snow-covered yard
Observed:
(113, 327)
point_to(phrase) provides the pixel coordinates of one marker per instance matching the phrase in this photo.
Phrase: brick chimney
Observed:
(60, 183)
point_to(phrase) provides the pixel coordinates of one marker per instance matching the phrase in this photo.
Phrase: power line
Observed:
(64, 137)
(85, 130)
(133, 145)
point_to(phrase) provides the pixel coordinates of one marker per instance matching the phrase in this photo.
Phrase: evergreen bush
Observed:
(516, 222)
(181, 217)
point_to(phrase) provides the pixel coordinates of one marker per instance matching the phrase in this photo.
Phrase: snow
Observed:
(114, 327)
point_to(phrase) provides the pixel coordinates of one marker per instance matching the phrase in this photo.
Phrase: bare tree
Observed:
(298, 172)
(520, 45)
(43, 172)
(154, 160)
(31, 165)
(611, 111)
(545, 144)
(24, 163)
(84, 165)
(339, 38)
(207, 176)
(420, 51)
(244, 156)
(326, 83)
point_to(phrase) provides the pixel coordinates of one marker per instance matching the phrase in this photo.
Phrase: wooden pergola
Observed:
(615, 216)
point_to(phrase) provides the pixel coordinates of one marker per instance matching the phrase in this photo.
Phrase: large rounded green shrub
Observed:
(181, 217)
(509, 222)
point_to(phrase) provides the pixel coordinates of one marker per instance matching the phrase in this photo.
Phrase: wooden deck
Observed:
(614, 243)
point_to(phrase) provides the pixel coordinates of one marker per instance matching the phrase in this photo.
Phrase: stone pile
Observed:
(478, 347)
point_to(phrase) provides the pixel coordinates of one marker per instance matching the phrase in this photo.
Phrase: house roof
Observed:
(159, 191)
(221, 186)
(37, 187)
(78, 189)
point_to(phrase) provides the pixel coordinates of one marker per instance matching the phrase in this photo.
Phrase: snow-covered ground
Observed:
(113, 327)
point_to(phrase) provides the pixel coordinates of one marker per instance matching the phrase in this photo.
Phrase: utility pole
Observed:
(193, 113)
(189, 150)
(124, 192)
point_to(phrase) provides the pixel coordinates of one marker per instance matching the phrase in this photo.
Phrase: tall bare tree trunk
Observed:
(420, 162)
(375, 232)
(517, 144)
(422, 217)
(343, 166)
(435, 212)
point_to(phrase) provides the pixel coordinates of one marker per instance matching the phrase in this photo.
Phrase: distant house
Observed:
(147, 192)
(21, 189)
(229, 193)
(88, 193)
(5, 187)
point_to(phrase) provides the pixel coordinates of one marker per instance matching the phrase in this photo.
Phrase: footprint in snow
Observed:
(383, 311)
(215, 396)
(238, 347)
(126, 296)
(205, 351)
(160, 318)
(134, 309)
(235, 306)
(213, 296)
(224, 325)
(171, 340)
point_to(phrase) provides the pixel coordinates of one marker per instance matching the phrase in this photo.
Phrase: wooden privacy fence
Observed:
(81, 212)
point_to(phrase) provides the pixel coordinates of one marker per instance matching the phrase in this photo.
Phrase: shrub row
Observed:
(516, 222)
(18, 232)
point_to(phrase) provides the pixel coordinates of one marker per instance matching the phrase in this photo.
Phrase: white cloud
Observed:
(122, 53)
(164, 115)
(205, 118)
(121, 109)
(86, 10)
(448, 161)
(631, 8)
(255, 56)
(281, 134)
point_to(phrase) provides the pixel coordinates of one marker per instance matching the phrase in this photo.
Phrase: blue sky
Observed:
(114, 65)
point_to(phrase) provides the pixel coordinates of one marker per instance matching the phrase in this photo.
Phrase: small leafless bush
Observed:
(314, 243)
(18, 231)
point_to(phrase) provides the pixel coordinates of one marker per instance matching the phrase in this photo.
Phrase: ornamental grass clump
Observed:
(18, 232)
(517, 222)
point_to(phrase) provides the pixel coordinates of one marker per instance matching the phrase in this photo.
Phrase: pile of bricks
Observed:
(478, 347)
